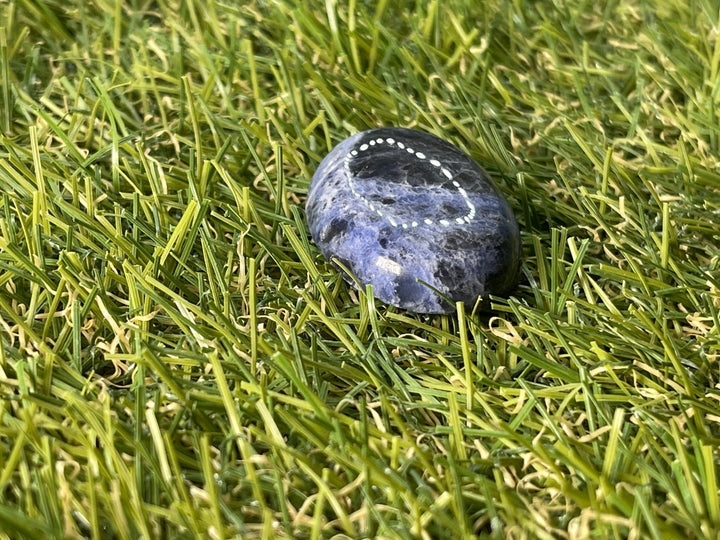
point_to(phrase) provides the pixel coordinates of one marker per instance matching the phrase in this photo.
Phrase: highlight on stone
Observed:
(416, 218)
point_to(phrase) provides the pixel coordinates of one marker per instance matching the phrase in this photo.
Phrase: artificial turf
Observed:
(179, 361)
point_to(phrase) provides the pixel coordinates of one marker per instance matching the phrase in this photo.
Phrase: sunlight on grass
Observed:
(178, 360)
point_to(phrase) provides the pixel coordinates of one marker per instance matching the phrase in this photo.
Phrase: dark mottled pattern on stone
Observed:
(408, 213)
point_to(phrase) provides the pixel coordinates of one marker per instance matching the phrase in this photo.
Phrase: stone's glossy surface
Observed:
(413, 216)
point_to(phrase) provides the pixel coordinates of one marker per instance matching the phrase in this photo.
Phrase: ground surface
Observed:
(178, 360)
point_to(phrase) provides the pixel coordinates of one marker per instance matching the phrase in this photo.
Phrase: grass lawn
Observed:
(179, 361)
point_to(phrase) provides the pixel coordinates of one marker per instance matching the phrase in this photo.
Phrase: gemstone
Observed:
(416, 218)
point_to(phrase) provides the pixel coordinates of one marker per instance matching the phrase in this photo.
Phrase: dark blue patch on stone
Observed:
(413, 216)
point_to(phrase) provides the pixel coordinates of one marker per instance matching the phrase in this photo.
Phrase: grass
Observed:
(179, 361)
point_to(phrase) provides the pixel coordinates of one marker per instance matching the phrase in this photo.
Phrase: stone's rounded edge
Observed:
(332, 214)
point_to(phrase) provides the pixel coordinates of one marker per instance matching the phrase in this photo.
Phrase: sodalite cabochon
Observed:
(399, 207)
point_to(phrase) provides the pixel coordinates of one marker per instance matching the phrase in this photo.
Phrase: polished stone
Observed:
(416, 218)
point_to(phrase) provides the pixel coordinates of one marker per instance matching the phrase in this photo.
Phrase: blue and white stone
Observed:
(416, 218)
